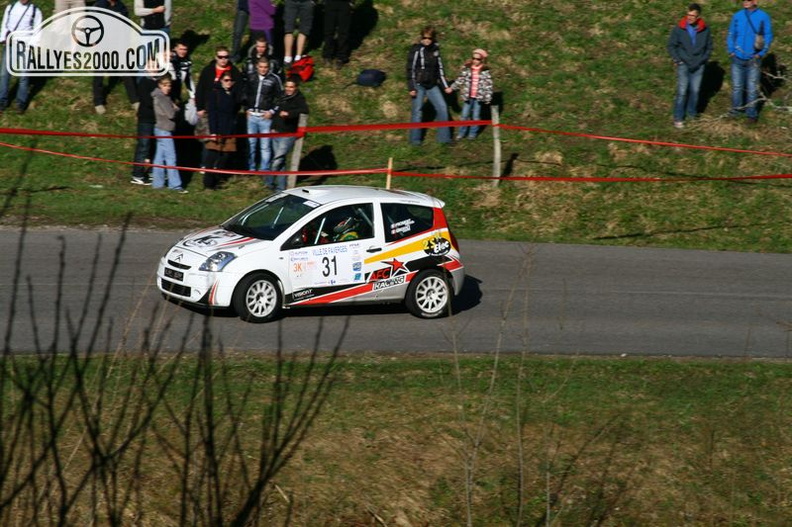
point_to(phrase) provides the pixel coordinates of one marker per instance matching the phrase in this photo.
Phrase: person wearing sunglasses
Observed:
(209, 79)
(426, 80)
(222, 109)
(690, 47)
(475, 85)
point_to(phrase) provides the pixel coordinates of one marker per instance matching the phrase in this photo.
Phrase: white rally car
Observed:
(321, 245)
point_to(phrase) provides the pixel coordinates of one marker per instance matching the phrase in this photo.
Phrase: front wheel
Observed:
(429, 295)
(257, 298)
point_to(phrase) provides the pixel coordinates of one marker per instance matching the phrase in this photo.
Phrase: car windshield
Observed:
(267, 219)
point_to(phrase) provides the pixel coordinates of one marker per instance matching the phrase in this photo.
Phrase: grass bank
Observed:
(579, 66)
(510, 440)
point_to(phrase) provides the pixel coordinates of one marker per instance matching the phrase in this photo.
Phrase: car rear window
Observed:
(402, 220)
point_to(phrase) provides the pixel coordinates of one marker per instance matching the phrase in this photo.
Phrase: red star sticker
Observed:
(396, 265)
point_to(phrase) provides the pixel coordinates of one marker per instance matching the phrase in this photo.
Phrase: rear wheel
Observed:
(257, 298)
(429, 295)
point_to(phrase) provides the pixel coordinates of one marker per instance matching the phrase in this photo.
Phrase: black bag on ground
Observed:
(371, 78)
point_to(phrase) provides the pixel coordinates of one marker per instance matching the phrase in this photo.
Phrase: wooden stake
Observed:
(296, 155)
(496, 145)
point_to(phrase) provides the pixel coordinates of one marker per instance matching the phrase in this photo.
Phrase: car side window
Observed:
(402, 220)
(347, 223)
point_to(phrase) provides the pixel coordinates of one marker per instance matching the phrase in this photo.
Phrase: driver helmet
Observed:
(346, 225)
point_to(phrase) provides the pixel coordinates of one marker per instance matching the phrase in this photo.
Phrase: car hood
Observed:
(207, 242)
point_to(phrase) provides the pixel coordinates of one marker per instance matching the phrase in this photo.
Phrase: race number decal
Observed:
(326, 265)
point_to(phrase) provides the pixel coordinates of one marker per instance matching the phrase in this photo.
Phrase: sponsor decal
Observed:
(302, 295)
(401, 227)
(395, 267)
(389, 282)
(211, 239)
(437, 246)
(334, 249)
(86, 41)
(357, 266)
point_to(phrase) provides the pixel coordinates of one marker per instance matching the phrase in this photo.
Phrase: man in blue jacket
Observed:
(750, 36)
(690, 46)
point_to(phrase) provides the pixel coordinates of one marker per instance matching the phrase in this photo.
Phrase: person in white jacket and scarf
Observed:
(475, 85)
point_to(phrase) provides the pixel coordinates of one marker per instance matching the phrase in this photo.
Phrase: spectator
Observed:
(746, 51)
(475, 85)
(425, 77)
(337, 19)
(263, 89)
(222, 108)
(259, 50)
(145, 125)
(155, 14)
(165, 114)
(63, 5)
(209, 79)
(286, 121)
(99, 93)
(690, 46)
(22, 15)
(240, 24)
(262, 19)
(181, 71)
(294, 10)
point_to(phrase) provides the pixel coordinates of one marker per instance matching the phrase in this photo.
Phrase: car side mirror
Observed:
(294, 243)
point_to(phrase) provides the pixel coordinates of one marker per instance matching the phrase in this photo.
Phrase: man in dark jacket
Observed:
(690, 46)
(145, 127)
(209, 78)
(262, 90)
(286, 120)
(426, 80)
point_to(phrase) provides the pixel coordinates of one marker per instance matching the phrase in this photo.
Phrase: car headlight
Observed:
(217, 261)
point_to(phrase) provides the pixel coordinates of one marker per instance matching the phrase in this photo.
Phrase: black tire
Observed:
(257, 298)
(429, 295)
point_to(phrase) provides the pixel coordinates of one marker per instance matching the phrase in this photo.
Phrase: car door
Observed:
(326, 256)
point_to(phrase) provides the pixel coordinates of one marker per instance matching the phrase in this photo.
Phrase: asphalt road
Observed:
(69, 288)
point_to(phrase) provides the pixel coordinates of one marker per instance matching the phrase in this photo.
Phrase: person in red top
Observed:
(690, 46)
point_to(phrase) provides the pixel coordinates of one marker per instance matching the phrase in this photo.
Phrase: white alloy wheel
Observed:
(428, 295)
(257, 298)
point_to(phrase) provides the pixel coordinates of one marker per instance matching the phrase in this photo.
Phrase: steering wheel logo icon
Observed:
(87, 31)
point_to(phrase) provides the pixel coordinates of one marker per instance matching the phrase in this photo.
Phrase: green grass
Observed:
(624, 442)
(580, 66)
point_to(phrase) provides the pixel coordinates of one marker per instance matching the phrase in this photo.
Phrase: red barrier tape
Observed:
(405, 126)
(399, 126)
(642, 141)
(194, 169)
(592, 179)
(27, 131)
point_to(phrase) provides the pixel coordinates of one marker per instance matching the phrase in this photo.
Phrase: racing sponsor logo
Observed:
(389, 282)
(395, 267)
(302, 295)
(213, 239)
(402, 227)
(437, 246)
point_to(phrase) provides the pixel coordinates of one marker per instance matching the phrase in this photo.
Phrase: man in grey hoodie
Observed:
(165, 114)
